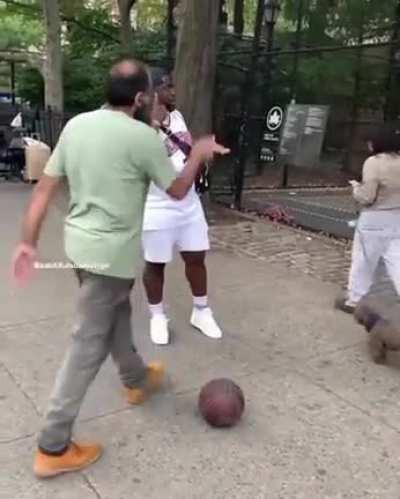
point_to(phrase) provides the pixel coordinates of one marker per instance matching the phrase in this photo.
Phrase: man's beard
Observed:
(143, 114)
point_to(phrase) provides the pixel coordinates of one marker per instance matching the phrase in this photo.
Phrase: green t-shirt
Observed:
(109, 160)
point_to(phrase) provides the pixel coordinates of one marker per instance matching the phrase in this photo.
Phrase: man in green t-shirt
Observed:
(109, 157)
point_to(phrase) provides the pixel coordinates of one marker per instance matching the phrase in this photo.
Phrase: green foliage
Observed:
(88, 54)
(151, 14)
(250, 7)
(30, 86)
(16, 31)
(92, 42)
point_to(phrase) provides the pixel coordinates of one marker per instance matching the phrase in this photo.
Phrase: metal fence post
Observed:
(245, 108)
(48, 118)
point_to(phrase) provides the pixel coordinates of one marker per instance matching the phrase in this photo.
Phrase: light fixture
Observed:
(271, 11)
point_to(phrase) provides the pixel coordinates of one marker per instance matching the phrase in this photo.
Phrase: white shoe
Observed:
(159, 333)
(203, 320)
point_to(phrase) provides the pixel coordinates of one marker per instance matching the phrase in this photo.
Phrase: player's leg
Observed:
(138, 379)
(153, 280)
(196, 274)
(193, 243)
(368, 247)
(97, 301)
(158, 248)
(392, 261)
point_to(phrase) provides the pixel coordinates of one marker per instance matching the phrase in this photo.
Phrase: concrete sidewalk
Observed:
(321, 420)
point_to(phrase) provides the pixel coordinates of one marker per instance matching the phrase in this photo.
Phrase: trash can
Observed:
(36, 156)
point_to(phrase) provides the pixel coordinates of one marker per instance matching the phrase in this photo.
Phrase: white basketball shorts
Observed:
(159, 245)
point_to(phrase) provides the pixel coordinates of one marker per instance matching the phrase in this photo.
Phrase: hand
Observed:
(23, 263)
(206, 147)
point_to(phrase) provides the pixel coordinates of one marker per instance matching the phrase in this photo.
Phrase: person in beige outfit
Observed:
(377, 234)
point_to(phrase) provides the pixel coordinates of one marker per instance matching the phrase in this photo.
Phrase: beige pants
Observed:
(377, 237)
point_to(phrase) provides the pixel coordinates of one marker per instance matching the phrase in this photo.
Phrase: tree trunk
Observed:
(223, 15)
(196, 63)
(171, 4)
(125, 8)
(238, 17)
(52, 70)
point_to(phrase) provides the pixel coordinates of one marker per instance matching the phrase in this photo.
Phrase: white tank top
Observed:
(161, 211)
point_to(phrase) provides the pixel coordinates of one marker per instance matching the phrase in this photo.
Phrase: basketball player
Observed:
(171, 223)
(108, 177)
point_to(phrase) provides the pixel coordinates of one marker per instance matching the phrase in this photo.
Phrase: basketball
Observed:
(221, 403)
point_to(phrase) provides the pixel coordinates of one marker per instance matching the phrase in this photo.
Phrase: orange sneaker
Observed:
(77, 457)
(154, 380)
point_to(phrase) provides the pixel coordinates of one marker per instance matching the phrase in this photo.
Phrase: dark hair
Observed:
(385, 140)
(122, 88)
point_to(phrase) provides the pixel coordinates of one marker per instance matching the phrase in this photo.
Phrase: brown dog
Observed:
(384, 335)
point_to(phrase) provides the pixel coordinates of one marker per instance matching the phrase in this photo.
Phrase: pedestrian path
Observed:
(321, 420)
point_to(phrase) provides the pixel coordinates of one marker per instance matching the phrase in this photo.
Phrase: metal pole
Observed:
(12, 67)
(356, 96)
(244, 116)
(390, 108)
(285, 174)
(238, 18)
(299, 25)
(266, 100)
(50, 126)
(270, 46)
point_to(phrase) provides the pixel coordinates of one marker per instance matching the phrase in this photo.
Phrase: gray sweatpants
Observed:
(103, 327)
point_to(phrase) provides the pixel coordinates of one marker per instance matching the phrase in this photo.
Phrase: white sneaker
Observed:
(159, 333)
(203, 320)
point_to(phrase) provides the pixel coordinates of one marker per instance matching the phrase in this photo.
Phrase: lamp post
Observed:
(248, 90)
(171, 28)
(299, 26)
(271, 13)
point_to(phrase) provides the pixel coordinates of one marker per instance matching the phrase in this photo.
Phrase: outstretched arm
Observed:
(25, 254)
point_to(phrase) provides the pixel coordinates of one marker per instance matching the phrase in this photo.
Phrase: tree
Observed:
(238, 17)
(171, 27)
(52, 70)
(196, 63)
(21, 38)
(125, 9)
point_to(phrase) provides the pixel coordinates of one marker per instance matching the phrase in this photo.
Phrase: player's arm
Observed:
(37, 209)
(160, 169)
(366, 192)
(44, 193)
(25, 254)
(202, 151)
